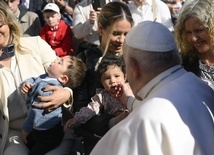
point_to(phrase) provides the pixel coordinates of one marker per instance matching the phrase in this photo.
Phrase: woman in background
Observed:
(194, 34)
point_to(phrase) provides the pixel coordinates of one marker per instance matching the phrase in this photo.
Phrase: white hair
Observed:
(151, 61)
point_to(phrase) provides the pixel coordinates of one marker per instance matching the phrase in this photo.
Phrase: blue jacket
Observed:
(40, 119)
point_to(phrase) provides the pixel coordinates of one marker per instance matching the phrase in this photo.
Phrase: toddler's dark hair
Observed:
(110, 60)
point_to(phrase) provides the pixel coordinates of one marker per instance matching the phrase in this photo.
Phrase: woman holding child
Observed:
(114, 22)
(20, 58)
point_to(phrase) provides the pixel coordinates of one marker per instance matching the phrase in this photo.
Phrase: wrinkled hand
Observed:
(123, 91)
(24, 136)
(71, 122)
(55, 100)
(26, 87)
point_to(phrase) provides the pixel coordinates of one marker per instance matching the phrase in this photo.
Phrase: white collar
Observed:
(151, 85)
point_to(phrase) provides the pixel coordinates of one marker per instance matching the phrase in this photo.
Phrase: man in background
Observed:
(29, 21)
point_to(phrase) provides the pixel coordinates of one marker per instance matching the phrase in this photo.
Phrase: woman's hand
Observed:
(55, 100)
(71, 122)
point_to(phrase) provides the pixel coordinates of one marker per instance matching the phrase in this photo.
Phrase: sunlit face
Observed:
(59, 67)
(131, 73)
(4, 33)
(128, 69)
(198, 35)
(52, 18)
(117, 37)
(13, 4)
(111, 77)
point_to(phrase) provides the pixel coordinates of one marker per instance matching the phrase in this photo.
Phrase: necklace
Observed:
(207, 74)
(205, 69)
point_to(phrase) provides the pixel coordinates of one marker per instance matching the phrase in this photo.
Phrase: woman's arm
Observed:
(56, 99)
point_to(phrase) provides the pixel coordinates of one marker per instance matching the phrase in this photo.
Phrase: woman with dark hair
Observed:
(114, 22)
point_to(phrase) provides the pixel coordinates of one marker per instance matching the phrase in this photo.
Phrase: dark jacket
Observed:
(83, 94)
(190, 62)
(97, 125)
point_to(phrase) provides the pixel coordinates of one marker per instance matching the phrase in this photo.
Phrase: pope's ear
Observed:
(135, 69)
(63, 79)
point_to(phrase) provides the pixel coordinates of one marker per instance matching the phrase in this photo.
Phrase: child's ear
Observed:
(63, 79)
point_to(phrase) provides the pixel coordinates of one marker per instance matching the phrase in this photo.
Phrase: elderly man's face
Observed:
(132, 73)
(128, 69)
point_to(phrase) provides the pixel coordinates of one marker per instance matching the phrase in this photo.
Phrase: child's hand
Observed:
(26, 87)
(71, 122)
(24, 136)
